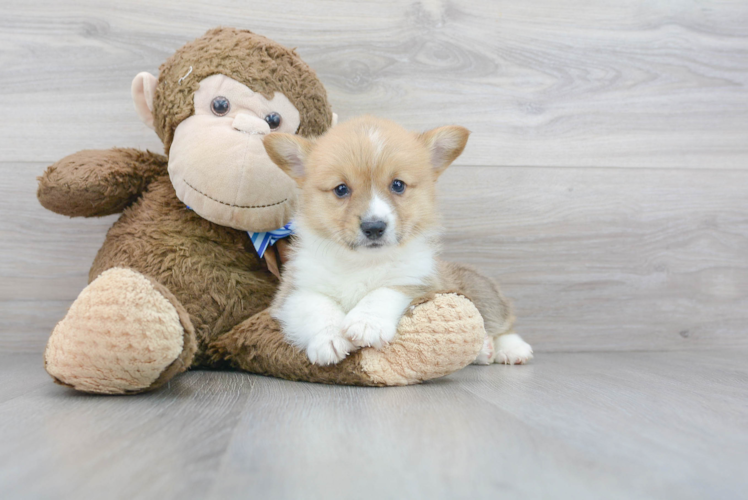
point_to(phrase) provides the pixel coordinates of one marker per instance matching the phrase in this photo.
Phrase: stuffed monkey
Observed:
(180, 281)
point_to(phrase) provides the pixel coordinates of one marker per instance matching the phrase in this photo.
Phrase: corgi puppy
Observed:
(368, 240)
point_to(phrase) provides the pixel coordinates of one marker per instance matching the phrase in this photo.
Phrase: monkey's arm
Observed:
(94, 183)
(438, 336)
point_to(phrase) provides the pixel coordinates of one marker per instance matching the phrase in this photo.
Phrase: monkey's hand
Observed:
(94, 183)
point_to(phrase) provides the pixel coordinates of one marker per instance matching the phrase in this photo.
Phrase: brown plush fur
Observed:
(210, 273)
(96, 183)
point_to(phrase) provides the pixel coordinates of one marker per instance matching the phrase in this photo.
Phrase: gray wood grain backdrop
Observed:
(605, 184)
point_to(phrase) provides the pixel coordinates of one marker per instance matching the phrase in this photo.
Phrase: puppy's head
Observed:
(368, 183)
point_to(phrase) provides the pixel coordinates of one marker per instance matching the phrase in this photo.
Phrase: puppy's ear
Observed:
(289, 152)
(445, 144)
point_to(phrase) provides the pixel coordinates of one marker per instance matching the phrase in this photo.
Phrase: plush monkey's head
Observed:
(212, 104)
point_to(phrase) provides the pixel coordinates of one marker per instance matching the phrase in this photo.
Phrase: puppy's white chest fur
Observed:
(346, 276)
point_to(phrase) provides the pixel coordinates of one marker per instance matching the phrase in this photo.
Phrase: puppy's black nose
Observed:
(373, 229)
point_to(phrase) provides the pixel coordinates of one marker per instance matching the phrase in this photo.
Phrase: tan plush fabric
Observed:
(224, 175)
(436, 338)
(119, 336)
(143, 89)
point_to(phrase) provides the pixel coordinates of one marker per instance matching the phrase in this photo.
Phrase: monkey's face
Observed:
(218, 164)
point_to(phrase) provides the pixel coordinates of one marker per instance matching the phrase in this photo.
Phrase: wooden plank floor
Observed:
(569, 425)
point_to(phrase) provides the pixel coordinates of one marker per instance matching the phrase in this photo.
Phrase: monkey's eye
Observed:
(342, 191)
(397, 186)
(274, 120)
(220, 106)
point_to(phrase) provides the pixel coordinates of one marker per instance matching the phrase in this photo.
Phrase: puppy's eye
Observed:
(397, 186)
(274, 120)
(220, 106)
(341, 191)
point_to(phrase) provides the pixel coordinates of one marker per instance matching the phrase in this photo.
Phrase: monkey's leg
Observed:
(435, 338)
(124, 334)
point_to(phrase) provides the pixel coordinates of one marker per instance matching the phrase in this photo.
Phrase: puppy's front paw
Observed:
(364, 329)
(329, 348)
(512, 350)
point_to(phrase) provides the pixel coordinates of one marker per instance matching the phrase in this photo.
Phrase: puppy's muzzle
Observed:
(373, 230)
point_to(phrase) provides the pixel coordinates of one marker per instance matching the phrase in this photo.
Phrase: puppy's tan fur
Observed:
(367, 155)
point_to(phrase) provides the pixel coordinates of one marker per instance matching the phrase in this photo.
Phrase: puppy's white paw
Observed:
(485, 356)
(364, 329)
(512, 350)
(329, 348)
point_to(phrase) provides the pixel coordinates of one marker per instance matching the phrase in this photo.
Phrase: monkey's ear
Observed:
(334, 120)
(289, 152)
(445, 144)
(143, 90)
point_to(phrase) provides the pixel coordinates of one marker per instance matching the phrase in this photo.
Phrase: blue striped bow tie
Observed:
(262, 241)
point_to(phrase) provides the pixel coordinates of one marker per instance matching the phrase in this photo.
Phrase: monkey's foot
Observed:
(436, 338)
(124, 333)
